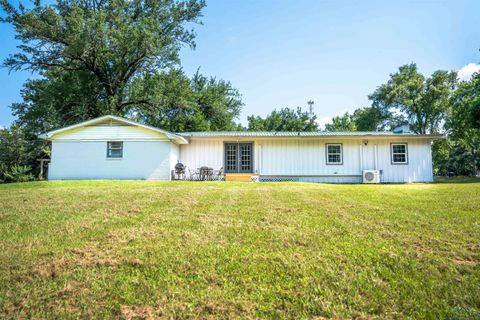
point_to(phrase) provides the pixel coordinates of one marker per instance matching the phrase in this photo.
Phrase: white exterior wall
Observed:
(174, 155)
(200, 153)
(88, 160)
(418, 169)
(306, 158)
(82, 154)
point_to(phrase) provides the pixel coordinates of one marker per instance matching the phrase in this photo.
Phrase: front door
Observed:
(238, 157)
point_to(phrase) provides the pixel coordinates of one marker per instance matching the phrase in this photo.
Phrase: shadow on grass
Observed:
(457, 179)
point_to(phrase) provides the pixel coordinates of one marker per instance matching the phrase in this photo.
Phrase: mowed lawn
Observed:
(142, 249)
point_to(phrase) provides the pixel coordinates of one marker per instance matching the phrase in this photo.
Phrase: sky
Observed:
(284, 53)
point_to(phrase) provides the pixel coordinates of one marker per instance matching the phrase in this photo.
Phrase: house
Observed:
(111, 147)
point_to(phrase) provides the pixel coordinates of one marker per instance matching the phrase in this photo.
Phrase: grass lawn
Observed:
(140, 249)
(459, 179)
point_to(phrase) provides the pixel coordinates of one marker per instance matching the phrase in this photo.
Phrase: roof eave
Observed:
(177, 138)
(414, 136)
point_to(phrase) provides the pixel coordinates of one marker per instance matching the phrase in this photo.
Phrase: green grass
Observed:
(459, 179)
(139, 249)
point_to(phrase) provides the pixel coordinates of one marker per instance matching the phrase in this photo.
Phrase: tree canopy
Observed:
(423, 101)
(365, 119)
(197, 104)
(341, 123)
(115, 57)
(463, 124)
(114, 42)
(285, 119)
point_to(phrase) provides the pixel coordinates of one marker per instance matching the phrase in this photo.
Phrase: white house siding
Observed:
(418, 169)
(82, 154)
(87, 160)
(305, 159)
(197, 153)
(174, 155)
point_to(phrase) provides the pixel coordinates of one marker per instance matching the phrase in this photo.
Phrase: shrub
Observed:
(16, 173)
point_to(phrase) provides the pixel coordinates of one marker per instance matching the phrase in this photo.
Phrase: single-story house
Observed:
(111, 147)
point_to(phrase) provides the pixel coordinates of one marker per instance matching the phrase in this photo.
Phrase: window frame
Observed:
(327, 153)
(392, 153)
(109, 156)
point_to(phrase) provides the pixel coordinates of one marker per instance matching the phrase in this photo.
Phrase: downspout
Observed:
(375, 156)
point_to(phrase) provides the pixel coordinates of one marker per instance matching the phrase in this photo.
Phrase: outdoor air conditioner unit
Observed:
(371, 176)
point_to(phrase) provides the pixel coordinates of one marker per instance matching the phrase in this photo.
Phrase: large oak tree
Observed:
(114, 41)
(424, 101)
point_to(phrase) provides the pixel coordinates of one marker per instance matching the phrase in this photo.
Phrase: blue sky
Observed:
(283, 53)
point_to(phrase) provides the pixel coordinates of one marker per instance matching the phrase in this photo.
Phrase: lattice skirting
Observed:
(313, 179)
(278, 179)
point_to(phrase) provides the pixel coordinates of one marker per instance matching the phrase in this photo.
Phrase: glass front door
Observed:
(238, 157)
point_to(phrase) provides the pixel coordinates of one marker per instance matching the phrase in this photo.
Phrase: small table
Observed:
(205, 173)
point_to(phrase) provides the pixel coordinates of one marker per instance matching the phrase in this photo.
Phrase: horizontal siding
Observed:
(306, 158)
(106, 132)
(87, 160)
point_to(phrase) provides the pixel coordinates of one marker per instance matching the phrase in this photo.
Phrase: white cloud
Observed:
(466, 72)
(1, 127)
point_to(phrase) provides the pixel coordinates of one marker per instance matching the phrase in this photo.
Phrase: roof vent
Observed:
(402, 129)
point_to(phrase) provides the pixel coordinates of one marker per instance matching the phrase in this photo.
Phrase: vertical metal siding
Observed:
(306, 157)
(200, 153)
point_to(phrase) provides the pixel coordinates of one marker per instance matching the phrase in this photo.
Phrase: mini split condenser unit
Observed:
(371, 176)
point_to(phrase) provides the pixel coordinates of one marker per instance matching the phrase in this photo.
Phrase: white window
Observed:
(334, 153)
(114, 149)
(399, 153)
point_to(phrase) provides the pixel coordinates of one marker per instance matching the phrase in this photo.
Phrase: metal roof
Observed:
(182, 137)
(301, 134)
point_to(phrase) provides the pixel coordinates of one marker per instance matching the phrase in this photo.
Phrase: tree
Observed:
(451, 156)
(285, 119)
(341, 123)
(184, 104)
(463, 120)
(375, 119)
(365, 119)
(114, 42)
(14, 156)
(110, 57)
(56, 100)
(424, 101)
(218, 101)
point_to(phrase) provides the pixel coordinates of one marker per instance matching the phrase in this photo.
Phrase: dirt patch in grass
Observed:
(140, 312)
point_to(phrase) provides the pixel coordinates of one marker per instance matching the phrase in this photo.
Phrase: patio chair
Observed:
(193, 174)
(218, 174)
